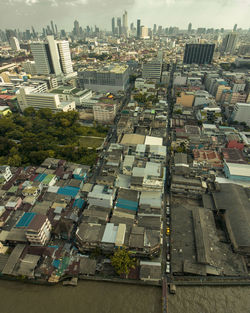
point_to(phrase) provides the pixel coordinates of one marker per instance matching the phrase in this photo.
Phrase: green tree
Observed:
(122, 261)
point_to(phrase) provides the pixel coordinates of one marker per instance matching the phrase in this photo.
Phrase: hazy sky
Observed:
(207, 13)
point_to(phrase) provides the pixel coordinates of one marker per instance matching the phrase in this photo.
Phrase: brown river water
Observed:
(98, 297)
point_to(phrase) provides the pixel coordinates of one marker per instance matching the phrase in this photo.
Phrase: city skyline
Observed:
(37, 12)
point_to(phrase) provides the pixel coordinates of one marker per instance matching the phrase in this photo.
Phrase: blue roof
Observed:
(68, 191)
(40, 177)
(26, 219)
(127, 204)
(56, 263)
(78, 203)
(78, 177)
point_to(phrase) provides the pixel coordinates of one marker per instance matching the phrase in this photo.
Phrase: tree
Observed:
(122, 261)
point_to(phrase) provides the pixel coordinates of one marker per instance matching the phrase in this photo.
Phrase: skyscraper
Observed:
(229, 43)
(198, 53)
(76, 30)
(189, 27)
(235, 27)
(138, 28)
(65, 57)
(14, 43)
(125, 23)
(113, 25)
(52, 27)
(119, 25)
(155, 29)
(52, 57)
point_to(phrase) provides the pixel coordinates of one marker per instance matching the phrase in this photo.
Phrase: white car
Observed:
(167, 267)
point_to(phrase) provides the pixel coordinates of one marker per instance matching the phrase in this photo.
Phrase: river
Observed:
(98, 297)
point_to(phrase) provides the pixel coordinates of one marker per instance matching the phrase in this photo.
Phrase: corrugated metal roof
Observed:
(120, 236)
(110, 233)
(25, 219)
(68, 191)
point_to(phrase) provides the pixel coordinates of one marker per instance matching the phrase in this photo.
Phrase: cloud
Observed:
(202, 13)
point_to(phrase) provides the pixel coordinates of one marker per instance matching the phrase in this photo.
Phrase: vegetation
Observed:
(32, 137)
(142, 98)
(122, 261)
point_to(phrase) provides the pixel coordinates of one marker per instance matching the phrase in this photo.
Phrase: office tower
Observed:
(14, 43)
(235, 27)
(198, 53)
(241, 113)
(65, 57)
(125, 23)
(33, 32)
(189, 27)
(56, 29)
(131, 26)
(144, 32)
(52, 27)
(10, 33)
(41, 57)
(52, 57)
(152, 70)
(30, 67)
(63, 33)
(138, 28)
(154, 29)
(119, 25)
(229, 43)
(113, 25)
(76, 30)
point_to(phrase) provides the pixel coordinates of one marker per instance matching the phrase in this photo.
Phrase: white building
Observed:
(14, 43)
(241, 113)
(65, 57)
(54, 53)
(101, 196)
(52, 57)
(26, 98)
(144, 32)
(5, 173)
(38, 231)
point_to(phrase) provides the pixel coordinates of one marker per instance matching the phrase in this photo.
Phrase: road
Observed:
(166, 197)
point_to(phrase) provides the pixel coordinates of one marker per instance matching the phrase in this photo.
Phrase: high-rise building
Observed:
(42, 58)
(189, 27)
(241, 113)
(152, 70)
(154, 29)
(119, 25)
(65, 56)
(52, 57)
(229, 43)
(144, 32)
(198, 53)
(76, 30)
(52, 27)
(53, 48)
(138, 28)
(14, 43)
(113, 25)
(125, 23)
(235, 27)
